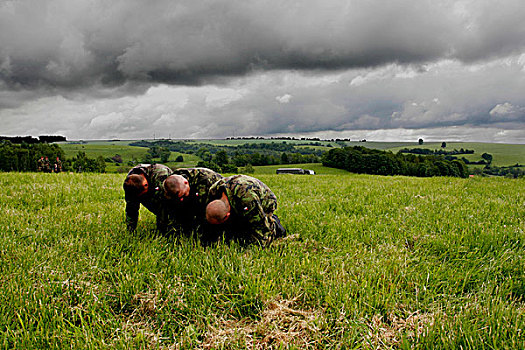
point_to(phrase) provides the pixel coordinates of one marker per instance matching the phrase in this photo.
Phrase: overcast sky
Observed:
(380, 70)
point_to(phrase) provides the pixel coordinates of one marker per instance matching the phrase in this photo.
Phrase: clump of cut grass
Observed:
(281, 325)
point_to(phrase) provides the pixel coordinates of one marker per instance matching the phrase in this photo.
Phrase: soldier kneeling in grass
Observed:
(144, 185)
(243, 207)
(187, 194)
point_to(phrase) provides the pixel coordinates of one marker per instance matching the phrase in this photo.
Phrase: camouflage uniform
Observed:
(252, 204)
(190, 214)
(153, 200)
(47, 166)
(58, 165)
(40, 163)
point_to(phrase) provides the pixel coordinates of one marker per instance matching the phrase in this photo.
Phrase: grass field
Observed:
(317, 167)
(108, 149)
(503, 154)
(370, 262)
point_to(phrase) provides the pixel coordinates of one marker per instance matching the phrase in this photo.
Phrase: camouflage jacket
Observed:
(188, 215)
(153, 200)
(252, 204)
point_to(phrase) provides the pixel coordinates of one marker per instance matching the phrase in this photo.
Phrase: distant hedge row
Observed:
(31, 140)
(363, 160)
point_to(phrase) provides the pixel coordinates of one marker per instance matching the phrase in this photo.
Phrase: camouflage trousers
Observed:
(277, 231)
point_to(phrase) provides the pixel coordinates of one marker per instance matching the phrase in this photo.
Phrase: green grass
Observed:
(370, 262)
(503, 154)
(317, 167)
(108, 149)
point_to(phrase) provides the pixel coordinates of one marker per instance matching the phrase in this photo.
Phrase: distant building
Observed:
(297, 171)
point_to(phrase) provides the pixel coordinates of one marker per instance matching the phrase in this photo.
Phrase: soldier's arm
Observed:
(132, 214)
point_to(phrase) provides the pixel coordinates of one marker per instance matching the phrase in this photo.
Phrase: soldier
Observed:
(144, 185)
(187, 192)
(244, 206)
(47, 165)
(58, 165)
(40, 164)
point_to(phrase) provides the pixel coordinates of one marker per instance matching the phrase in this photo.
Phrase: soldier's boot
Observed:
(280, 231)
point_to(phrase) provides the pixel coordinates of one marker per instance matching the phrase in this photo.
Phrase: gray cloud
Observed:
(69, 44)
(132, 68)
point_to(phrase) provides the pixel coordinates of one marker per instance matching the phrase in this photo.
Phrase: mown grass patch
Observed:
(370, 262)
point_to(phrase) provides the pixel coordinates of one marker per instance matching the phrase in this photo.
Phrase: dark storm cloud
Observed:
(130, 68)
(69, 44)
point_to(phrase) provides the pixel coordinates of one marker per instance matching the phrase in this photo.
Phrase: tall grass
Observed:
(370, 262)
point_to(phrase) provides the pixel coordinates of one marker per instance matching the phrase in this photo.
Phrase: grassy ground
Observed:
(108, 149)
(370, 262)
(503, 154)
(317, 167)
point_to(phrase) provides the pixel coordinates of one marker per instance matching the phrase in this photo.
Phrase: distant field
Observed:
(317, 167)
(104, 149)
(371, 262)
(128, 153)
(503, 154)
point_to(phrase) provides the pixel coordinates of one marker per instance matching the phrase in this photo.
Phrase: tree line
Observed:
(269, 148)
(25, 156)
(222, 162)
(363, 160)
(426, 151)
(32, 140)
(269, 153)
(514, 171)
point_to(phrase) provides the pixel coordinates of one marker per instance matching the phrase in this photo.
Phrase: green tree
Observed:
(100, 164)
(229, 168)
(164, 154)
(210, 165)
(148, 158)
(487, 157)
(221, 158)
(248, 169)
(204, 154)
(420, 141)
(284, 158)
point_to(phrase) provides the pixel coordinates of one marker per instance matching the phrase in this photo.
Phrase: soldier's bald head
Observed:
(136, 184)
(176, 186)
(217, 212)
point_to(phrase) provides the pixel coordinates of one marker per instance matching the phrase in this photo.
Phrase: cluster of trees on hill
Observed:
(284, 138)
(82, 163)
(157, 152)
(221, 161)
(268, 153)
(436, 152)
(25, 156)
(247, 148)
(514, 171)
(173, 146)
(32, 140)
(359, 159)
